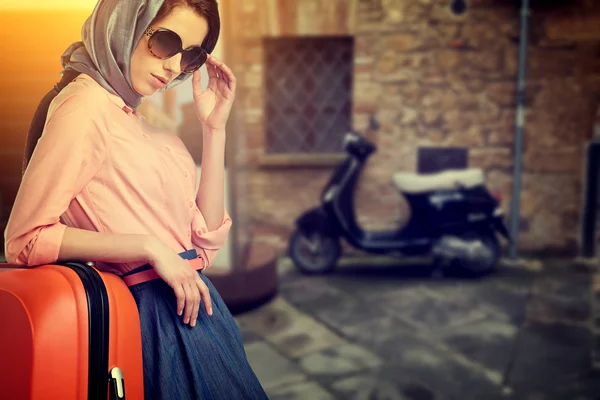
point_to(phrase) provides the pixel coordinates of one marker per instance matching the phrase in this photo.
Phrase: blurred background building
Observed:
(440, 84)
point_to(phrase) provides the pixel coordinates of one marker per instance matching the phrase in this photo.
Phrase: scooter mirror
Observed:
(351, 137)
(357, 144)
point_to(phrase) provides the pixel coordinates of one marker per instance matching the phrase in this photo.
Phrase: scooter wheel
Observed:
(316, 253)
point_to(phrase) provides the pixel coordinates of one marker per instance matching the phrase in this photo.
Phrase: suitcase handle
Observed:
(117, 384)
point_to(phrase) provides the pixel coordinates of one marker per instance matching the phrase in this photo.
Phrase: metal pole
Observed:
(520, 123)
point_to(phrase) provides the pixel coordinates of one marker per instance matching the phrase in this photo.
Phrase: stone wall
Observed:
(433, 78)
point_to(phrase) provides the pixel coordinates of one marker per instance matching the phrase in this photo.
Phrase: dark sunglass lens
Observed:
(165, 44)
(193, 59)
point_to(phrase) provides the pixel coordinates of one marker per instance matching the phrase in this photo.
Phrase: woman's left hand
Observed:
(213, 104)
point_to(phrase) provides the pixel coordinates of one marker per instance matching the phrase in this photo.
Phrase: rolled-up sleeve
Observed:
(69, 153)
(209, 242)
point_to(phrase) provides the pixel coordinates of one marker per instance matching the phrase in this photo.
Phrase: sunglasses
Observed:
(164, 43)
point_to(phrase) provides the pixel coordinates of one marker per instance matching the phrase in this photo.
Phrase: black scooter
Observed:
(454, 218)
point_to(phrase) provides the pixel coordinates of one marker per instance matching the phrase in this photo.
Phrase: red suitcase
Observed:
(68, 332)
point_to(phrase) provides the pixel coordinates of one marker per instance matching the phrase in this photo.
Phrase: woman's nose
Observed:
(174, 64)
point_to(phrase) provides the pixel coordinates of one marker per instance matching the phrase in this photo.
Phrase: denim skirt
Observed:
(207, 361)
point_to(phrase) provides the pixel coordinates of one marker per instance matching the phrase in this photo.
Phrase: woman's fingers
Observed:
(190, 291)
(231, 79)
(189, 302)
(180, 296)
(195, 304)
(213, 75)
(225, 78)
(224, 72)
(213, 68)
(197, 80)
(205, 294)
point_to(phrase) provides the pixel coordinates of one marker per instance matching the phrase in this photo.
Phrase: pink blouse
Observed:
(102, 167)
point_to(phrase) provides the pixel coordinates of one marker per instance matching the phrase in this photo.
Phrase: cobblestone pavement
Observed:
(382, 331)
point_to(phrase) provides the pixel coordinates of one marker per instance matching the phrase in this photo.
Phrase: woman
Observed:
(103, 185)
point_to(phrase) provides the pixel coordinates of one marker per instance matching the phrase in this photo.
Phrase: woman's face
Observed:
(192, 30)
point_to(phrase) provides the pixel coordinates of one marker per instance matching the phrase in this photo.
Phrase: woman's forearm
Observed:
(84, 245)
(210, 198)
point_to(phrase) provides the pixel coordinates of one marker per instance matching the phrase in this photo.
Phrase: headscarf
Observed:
(110, 36)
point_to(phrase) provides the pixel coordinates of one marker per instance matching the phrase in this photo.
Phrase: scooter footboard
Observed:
(499, 226)
(497, 223)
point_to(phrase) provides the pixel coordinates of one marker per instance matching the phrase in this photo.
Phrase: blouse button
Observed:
(168, 148)
(144, 136)
(191, 204)
(185, 174)
(189, 234)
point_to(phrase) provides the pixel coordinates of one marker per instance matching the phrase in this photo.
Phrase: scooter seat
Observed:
(446, 180)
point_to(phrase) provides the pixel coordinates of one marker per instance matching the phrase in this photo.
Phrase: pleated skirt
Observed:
(205, 362)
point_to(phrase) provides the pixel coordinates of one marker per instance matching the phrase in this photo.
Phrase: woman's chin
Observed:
(145, 90)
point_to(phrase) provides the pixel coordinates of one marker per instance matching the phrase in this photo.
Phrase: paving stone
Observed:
(367, 281)
(310, 291)
(484, 295)
(579, 389)
(550, 353)
(285, 266)
(291, 275)
(249, 336)
(272, 369)
(393, 381)
(507, 305)
(415, 358)
(522, 264)
(487, 342)
(386, 382)
(372, 330)
(561, 297)
(271, 318)
(570, 285)
(595, 303)
(596, 350)
(596, 282)
(562, 266)
(595, 323)
(400, 294)
(513, 280)
(505, 291)
(361, 387)
(292, 332)
(454, 338)
(300, 391)
(545, 308)
(432, 312)
(360, 321)
(339, 360)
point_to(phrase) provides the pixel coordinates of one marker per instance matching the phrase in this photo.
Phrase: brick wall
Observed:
(433, 78)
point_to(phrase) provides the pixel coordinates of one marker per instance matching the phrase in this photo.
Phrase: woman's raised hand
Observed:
(189, 288)
(213, 104)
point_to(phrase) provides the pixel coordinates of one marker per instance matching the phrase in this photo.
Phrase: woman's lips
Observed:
(157, 82)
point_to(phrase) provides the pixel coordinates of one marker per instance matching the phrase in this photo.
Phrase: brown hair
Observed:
(208, 9)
